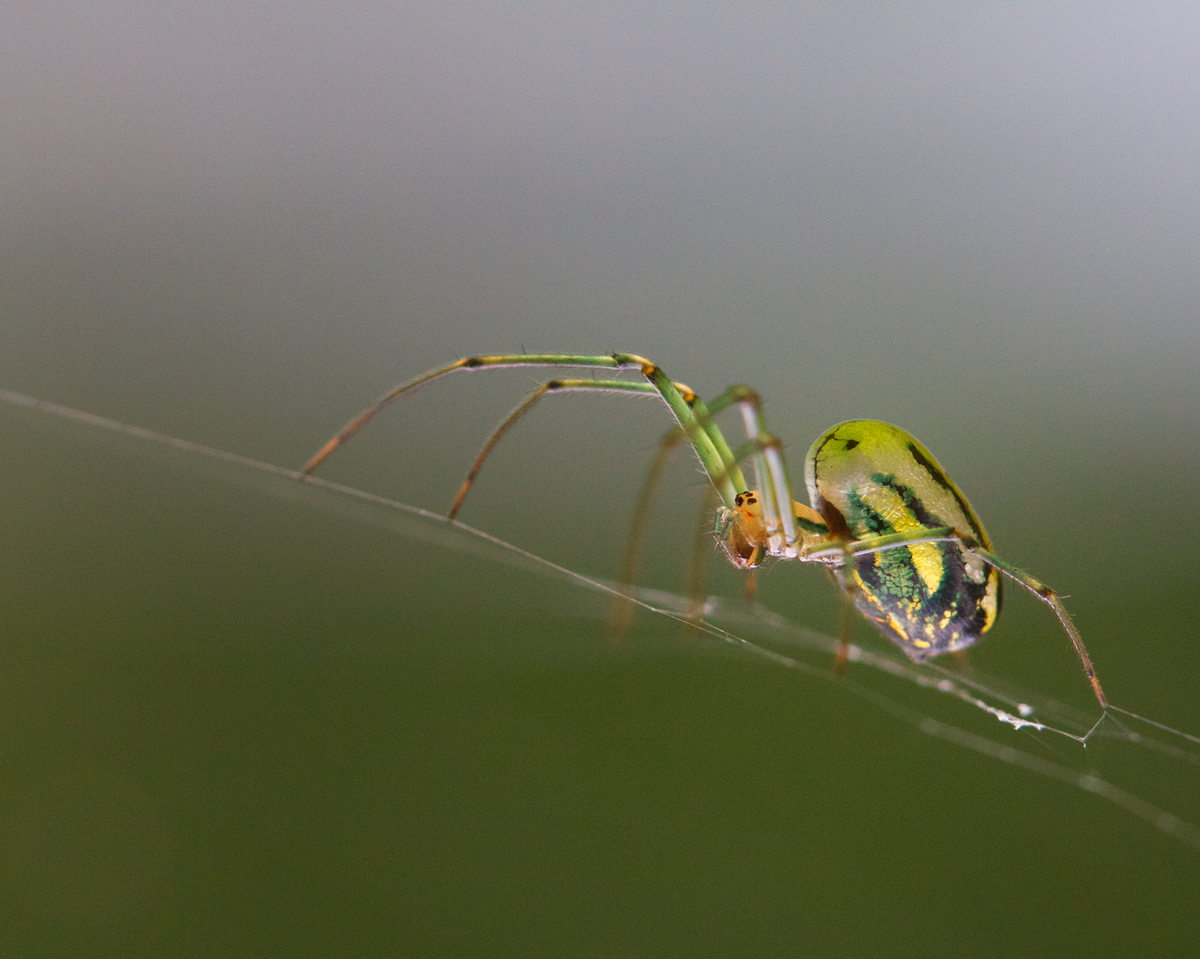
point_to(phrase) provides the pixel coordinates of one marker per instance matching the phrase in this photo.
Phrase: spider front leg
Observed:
(617, 361)
(689, 411)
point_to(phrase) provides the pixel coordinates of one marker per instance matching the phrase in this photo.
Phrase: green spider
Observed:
(920, 562)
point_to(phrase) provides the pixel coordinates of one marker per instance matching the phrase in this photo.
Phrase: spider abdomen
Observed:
(869, 479)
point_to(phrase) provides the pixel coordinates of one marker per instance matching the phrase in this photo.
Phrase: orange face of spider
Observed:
(741, 531)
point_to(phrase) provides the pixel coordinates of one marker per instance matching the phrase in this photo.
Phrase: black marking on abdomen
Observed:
(943, 481)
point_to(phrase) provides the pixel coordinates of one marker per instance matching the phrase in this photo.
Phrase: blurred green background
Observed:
(240, 721)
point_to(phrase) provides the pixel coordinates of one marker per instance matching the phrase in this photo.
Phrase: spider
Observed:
(903, 543)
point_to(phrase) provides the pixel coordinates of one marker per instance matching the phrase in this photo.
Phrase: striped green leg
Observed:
(618, 361)
(1035, 586)
(689, 411)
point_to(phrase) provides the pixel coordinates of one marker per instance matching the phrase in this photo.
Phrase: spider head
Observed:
(740, 531)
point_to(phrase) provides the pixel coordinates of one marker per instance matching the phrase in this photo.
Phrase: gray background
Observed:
(239, 223)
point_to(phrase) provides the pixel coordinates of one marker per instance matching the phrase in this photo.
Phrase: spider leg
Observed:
(621, 617)
(1050, 598)
(527, 404)
(1034, 586)
(689, 411)
(702, 546)
(623, 607)
(771, 473)
(849, 614)
(619, 361)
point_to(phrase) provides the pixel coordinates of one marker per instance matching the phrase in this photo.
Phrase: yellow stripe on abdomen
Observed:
(926, 557)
